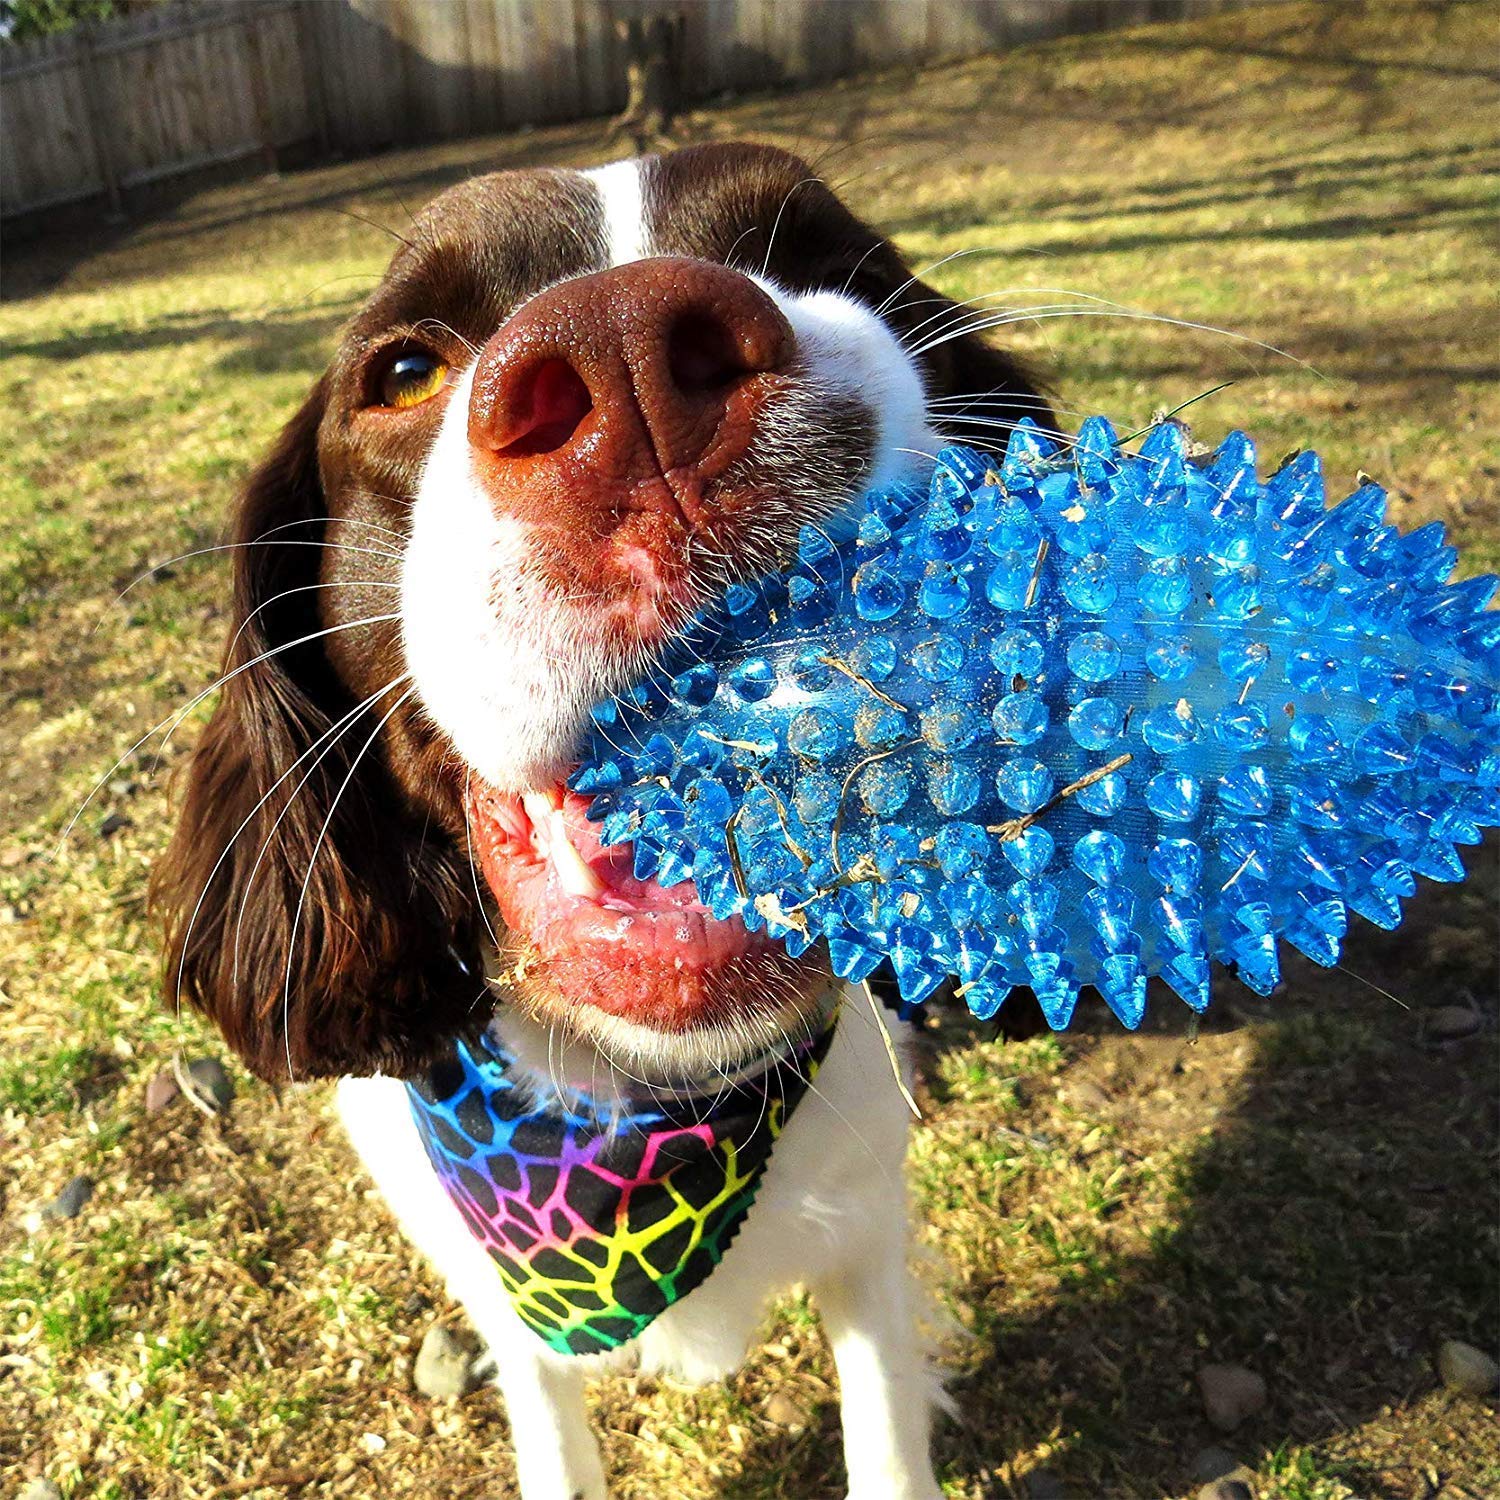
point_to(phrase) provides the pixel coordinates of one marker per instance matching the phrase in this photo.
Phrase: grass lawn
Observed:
(1307, 1187)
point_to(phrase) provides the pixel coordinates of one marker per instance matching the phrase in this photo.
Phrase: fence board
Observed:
(754, 60)
(593, 42)
(50, 155)
(368, 103)
(291, 84)
(520, 88)
(192, 82)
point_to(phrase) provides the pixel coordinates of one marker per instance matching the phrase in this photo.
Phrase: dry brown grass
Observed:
(1306, 1188)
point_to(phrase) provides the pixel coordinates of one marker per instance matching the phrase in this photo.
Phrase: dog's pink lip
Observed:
(629, 947)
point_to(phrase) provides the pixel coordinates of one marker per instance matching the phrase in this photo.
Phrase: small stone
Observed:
(784, 1410)
(69, 1203)
(1465, 1368)
(122, 786)
(1228, 1488)
(1230, 1394)
(211, 1083)
(1043, 1484)
(1213, 1463)
(161, 1091)
(1451, 1023)
(1085, 1096)
(12, 913)
(40, 1489)
(113, 824)
(444, 1369)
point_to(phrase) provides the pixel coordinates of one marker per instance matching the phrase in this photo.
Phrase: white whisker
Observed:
(927, 270)
(333, 729)
(177, 718)
(473, 862)
(1000, 320)
(307, 588)
(957, 308)
(263, 540)
(286, 992)
(776, 224)
(342, 727)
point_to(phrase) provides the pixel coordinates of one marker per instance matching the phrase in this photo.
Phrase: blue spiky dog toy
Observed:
(1081, 716)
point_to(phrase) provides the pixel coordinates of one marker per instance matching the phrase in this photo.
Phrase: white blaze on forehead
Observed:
(623, 200)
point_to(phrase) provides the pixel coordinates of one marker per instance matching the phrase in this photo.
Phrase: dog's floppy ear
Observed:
(282, 815)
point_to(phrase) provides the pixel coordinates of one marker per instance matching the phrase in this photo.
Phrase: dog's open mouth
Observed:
(582, 926)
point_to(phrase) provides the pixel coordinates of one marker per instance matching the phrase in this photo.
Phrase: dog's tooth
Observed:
(538, 807)
(573, 875)
(549, 838)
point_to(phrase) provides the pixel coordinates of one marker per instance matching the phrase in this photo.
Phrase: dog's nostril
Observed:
(655, 367)
(703, 355)
(546, 410)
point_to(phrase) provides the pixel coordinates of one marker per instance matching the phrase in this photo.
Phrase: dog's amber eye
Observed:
(411, 377)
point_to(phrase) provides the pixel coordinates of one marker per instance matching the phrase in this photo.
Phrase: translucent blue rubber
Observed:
(1078, 716)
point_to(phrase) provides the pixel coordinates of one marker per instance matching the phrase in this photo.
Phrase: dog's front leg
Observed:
(557, 1456)
(886, 1389)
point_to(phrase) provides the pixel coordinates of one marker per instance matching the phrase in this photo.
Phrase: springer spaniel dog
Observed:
(577, 406)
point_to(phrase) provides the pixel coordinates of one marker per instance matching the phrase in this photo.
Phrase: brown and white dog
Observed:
(577, 405)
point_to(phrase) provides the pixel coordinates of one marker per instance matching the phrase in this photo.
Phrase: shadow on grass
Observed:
(41, 257)
(265, 343)
(1370, 354)
(1334, 1228)
(1310, 181)
(1324, 51)
(1419, 219)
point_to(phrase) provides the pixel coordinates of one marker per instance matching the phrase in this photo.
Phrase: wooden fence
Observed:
(100, 110)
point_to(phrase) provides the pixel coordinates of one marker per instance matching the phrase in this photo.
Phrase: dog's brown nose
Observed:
(633, 387)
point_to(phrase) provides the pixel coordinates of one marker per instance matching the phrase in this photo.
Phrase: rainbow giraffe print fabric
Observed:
(598, 1221)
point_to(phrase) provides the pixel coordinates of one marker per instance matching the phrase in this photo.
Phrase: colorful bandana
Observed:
(599, 1220)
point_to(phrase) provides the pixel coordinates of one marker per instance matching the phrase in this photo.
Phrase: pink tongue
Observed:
(606, 939)
(630, 920)
(612, 865)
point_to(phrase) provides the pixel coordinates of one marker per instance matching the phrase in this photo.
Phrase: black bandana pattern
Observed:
(599, 1221)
